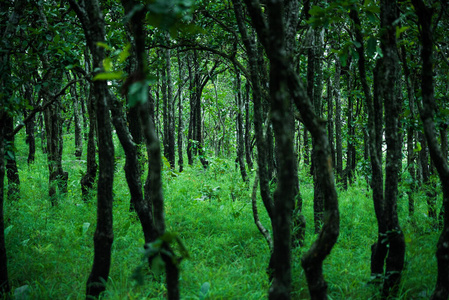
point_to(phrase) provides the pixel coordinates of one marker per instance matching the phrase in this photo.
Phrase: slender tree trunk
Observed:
(4, 281)
(424, 13)
(262, 153)
(169, 120)
(180, 108)
(192, 121)
(330, 120)
(248, 151)
(240, 141)
(375, 125)
(58, 178)
(77, 119)
(411, 157)
(87, 181)
(92, 22)
(30, 127)
(350, 139)
(12, 171)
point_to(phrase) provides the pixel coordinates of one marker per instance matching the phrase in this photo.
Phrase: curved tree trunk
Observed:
(92, 22)
(375, 124)
(424, 13)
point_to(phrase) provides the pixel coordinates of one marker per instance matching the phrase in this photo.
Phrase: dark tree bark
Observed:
(426, 171)
(395, 236)
(92, 22)
(87, 181)
(57, 176)
(284, 84)
(411, 157)
(132, 169)
(4, 281)
(180, 109)
(375, 124)
(192, 122)
(427, 113)
(12, 171)
(154, 181)
(9, 23)
(170, 109)
(350, 150)
(248, 148)
(338, 131)
(240, 141)
(30, 126)
(314, 91)
(330, 120)
(256, 81)
(77, 120)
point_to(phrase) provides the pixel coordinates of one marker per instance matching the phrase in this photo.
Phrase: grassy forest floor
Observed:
(50, 249)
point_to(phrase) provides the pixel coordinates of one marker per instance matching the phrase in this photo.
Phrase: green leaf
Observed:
(104, 45)
(418, 147)
(109, 76)
(371, 46)
(8, 229)
(138, 93)
(107, 64)
(357, 44)
(85, 227)
(316, 11)
(10, 155)
(401, 30)
(204, 290)
(123, 55)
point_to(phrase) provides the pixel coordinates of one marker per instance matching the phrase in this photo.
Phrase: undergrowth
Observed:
(50, 249)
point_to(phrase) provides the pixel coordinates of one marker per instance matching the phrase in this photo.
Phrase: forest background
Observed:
(271, 133)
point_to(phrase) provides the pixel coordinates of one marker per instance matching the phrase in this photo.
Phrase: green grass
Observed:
(50, 249)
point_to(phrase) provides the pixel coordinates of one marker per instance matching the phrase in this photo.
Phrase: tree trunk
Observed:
(410, 134)
(375, 124)
(262, 153)
(169, 120)
(11, 163)
(395, 236)
(248, 148)
(87, 181)
(192, 121)
(427, 115)
(30, 127)
(77, 120)
(4, 282)
(240, 141)
(180, 108)
(330, 120)
(58, 178)
(92, 22)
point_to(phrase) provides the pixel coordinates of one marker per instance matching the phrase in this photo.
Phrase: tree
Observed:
(93, 25)
(427, 111)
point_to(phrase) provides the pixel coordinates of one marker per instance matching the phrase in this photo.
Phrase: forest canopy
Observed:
(237, 149)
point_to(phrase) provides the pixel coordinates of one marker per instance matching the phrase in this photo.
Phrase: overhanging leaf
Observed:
(109, 76)
(138, 93)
